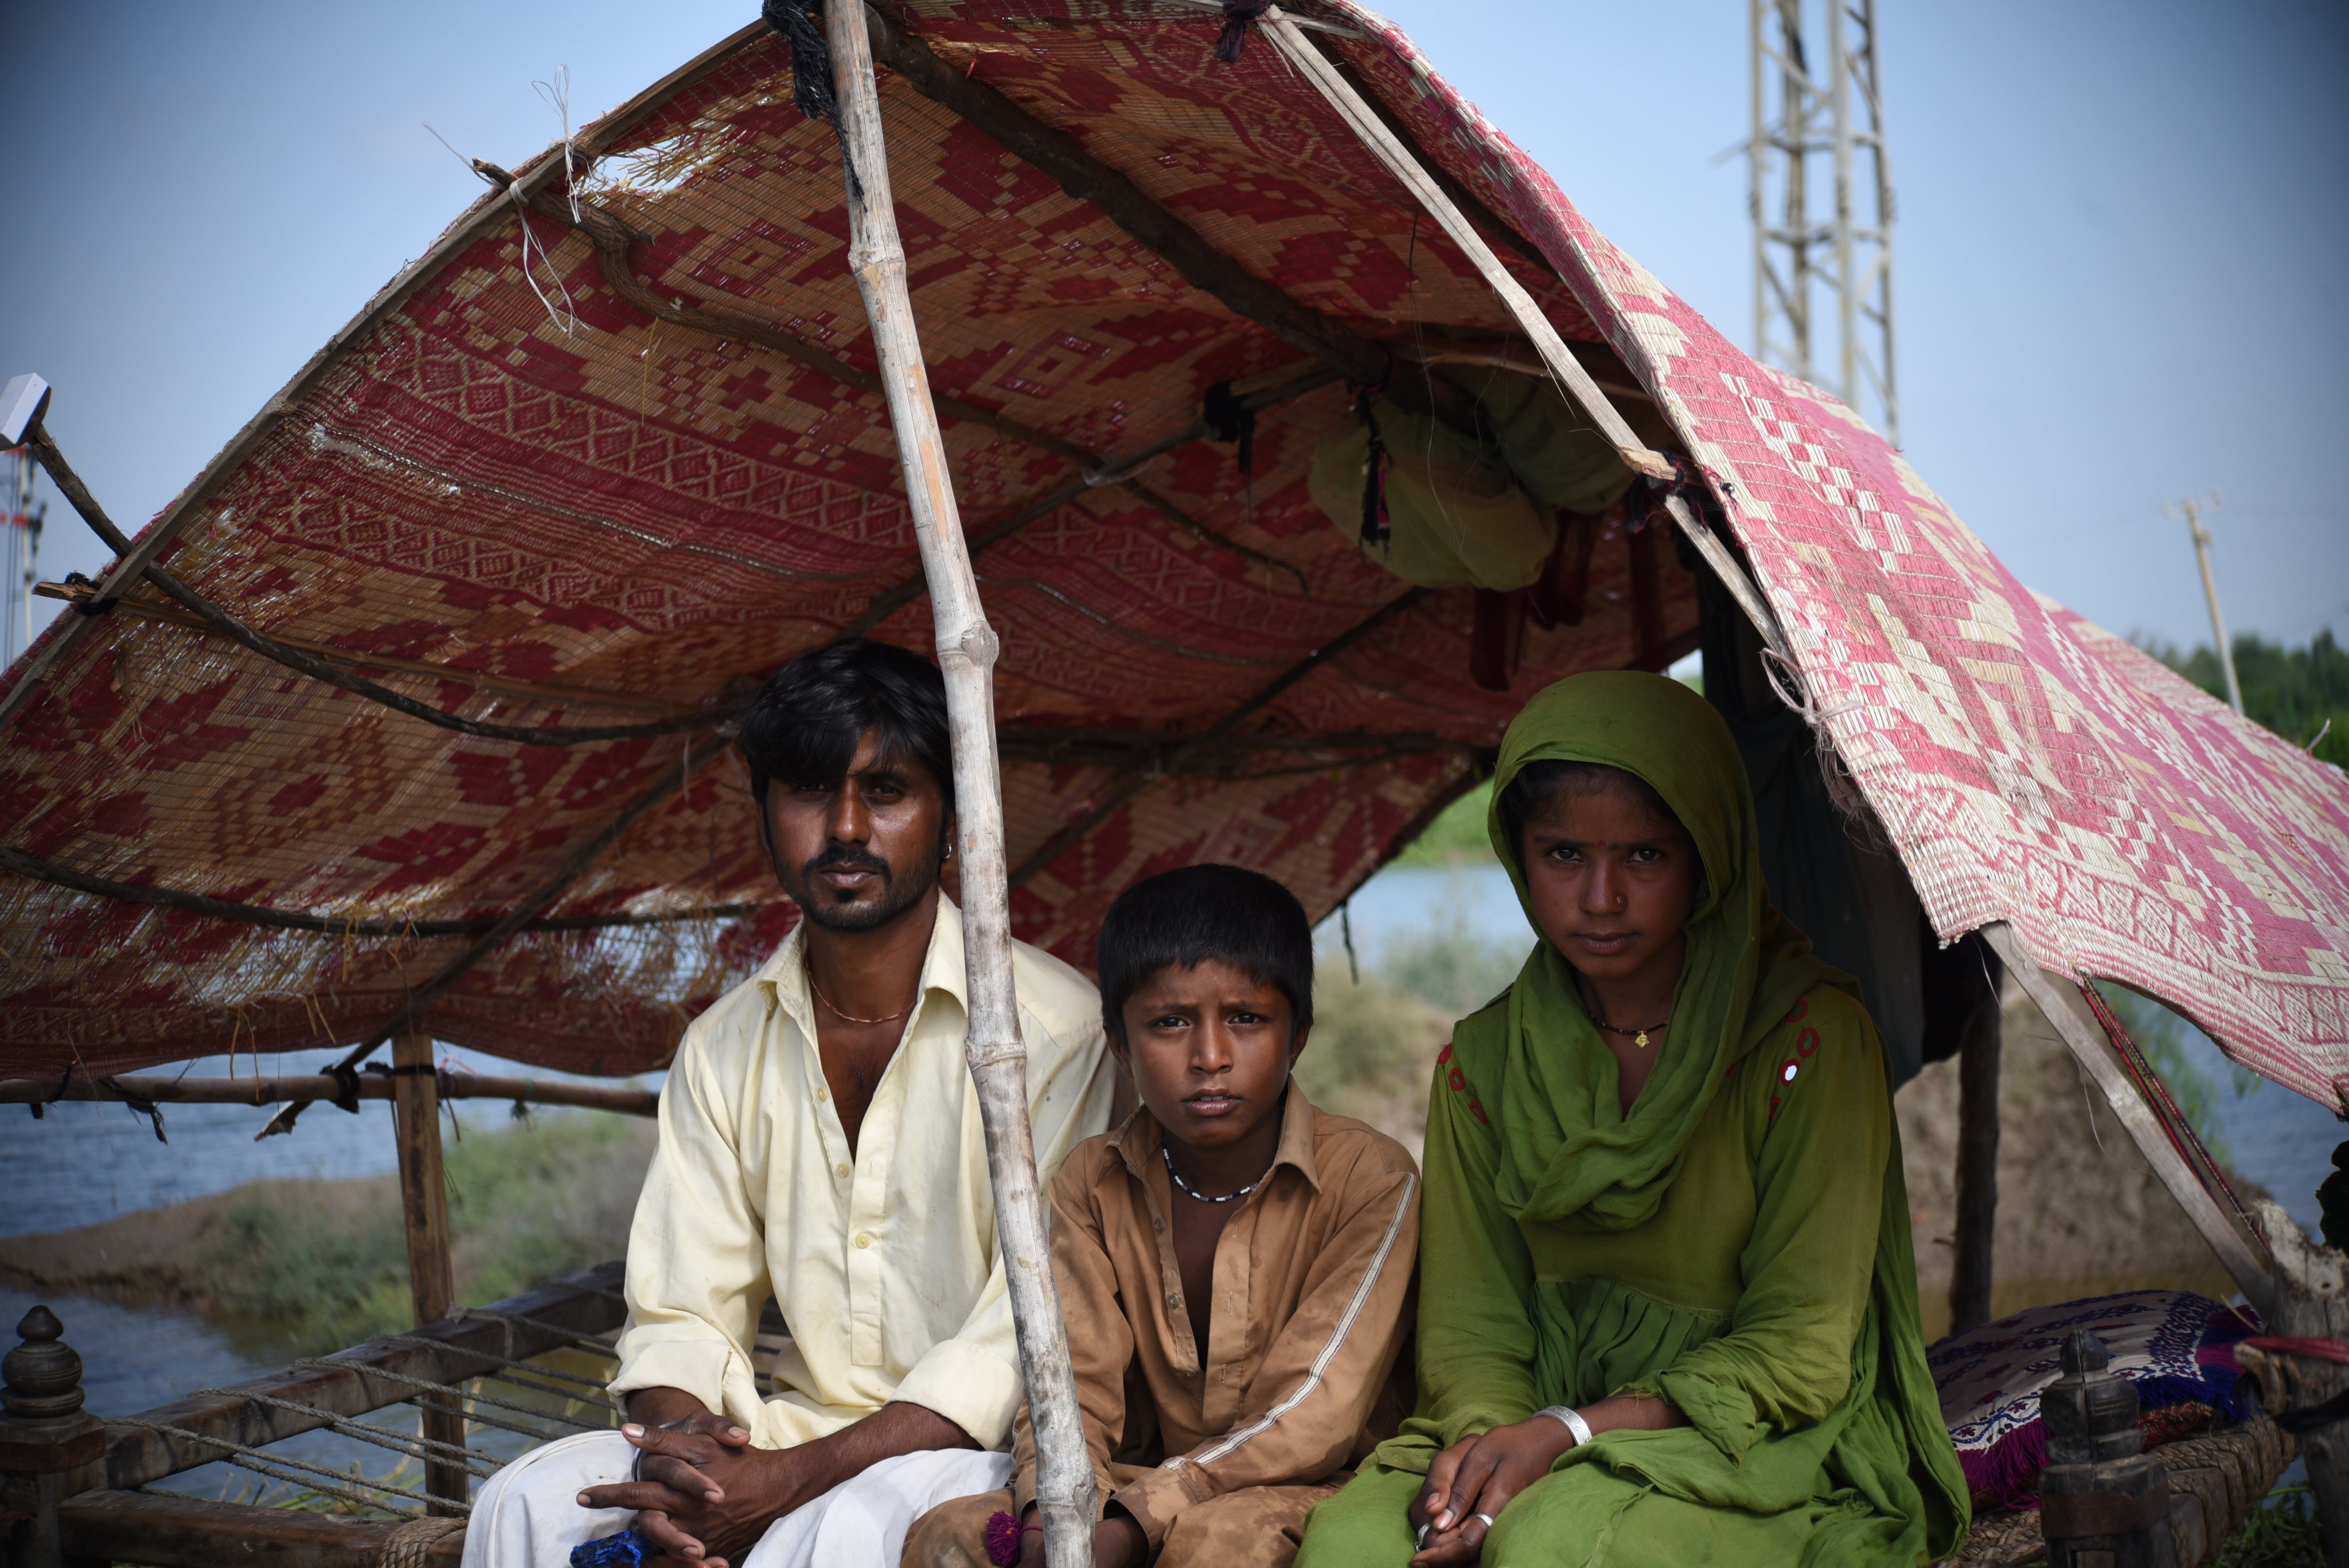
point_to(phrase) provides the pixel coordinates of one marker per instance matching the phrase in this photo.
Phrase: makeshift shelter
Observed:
(431, 727)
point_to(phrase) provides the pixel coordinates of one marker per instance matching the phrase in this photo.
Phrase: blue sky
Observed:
(2119, 266)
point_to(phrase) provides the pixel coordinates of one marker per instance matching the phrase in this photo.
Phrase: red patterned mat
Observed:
(619, 506)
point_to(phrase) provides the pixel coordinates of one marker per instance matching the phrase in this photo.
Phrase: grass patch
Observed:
(528, 1202)
(2281, 1533)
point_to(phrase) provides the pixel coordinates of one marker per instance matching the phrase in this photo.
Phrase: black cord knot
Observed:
(1377, 522)
(1229, 419)
(1238, 15)
(813, 88)
(83, 607)
(347, 1088)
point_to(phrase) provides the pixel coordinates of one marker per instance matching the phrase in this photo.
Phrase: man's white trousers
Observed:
(528, 1514)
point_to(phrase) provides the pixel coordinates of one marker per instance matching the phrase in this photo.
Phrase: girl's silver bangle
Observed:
(1572, 1420)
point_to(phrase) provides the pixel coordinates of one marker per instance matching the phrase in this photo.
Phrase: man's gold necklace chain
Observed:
(849, 1017)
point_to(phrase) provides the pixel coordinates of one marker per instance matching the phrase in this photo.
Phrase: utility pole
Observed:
(21, 521)
(1816, 101)
(2191, 510)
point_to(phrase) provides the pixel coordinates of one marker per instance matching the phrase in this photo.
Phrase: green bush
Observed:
(2294, 691)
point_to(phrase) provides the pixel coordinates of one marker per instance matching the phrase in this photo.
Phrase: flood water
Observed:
(83, 1163)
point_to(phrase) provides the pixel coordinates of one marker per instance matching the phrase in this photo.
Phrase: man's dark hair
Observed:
(1540, 786)
(1178, 919)
(804, 725)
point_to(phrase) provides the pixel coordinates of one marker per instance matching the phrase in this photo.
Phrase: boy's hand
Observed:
(1473, 1480)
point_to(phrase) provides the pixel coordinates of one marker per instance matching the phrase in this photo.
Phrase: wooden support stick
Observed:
(162, 1090)
(1065, 1492)
(424, 1204)
(1389, 151)
(198, 1533)
(343, 658)
(1977, 1173)
(2059, 998)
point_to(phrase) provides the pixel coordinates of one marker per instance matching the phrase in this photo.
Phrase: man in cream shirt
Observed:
(820, 1142)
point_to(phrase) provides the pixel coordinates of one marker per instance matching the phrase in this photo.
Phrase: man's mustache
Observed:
(840, 857)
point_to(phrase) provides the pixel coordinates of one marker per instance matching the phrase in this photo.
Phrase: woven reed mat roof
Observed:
(616, 524)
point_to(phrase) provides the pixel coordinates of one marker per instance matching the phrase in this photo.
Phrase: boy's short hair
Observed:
(805, 724)
(1180, 918)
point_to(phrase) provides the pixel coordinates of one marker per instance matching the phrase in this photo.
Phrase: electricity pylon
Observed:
(1820, 195)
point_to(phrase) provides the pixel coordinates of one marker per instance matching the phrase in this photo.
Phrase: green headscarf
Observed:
(1571, 1155)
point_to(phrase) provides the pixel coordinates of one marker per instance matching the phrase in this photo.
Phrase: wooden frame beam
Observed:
(586, 1303)
(157, 1090)
(534, 691)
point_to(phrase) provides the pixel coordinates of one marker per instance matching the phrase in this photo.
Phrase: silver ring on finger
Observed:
(1418, 1541)
(1485, 1517)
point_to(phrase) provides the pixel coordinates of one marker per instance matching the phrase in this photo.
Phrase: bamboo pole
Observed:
(1065, 1492)
(424, 1204)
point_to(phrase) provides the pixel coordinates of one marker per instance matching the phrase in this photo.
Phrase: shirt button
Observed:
(821, 1093)
(1157, 1223)
(865, 1238)
(841, 1171)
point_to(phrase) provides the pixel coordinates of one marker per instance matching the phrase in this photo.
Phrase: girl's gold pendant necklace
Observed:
(1638, 1035)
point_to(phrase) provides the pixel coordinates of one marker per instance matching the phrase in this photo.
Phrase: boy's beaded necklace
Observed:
(1197, 1196)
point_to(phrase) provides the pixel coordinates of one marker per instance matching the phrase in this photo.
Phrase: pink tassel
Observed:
(1002, 1539)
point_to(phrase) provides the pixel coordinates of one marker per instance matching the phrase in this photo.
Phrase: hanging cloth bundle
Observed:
(1238, 15)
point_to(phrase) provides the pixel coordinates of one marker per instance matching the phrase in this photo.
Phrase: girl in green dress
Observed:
(1668, 1307)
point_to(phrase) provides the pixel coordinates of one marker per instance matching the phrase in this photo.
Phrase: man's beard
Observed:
(897, 895)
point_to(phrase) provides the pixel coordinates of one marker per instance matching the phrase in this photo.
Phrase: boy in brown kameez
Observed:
(1227, 1213)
